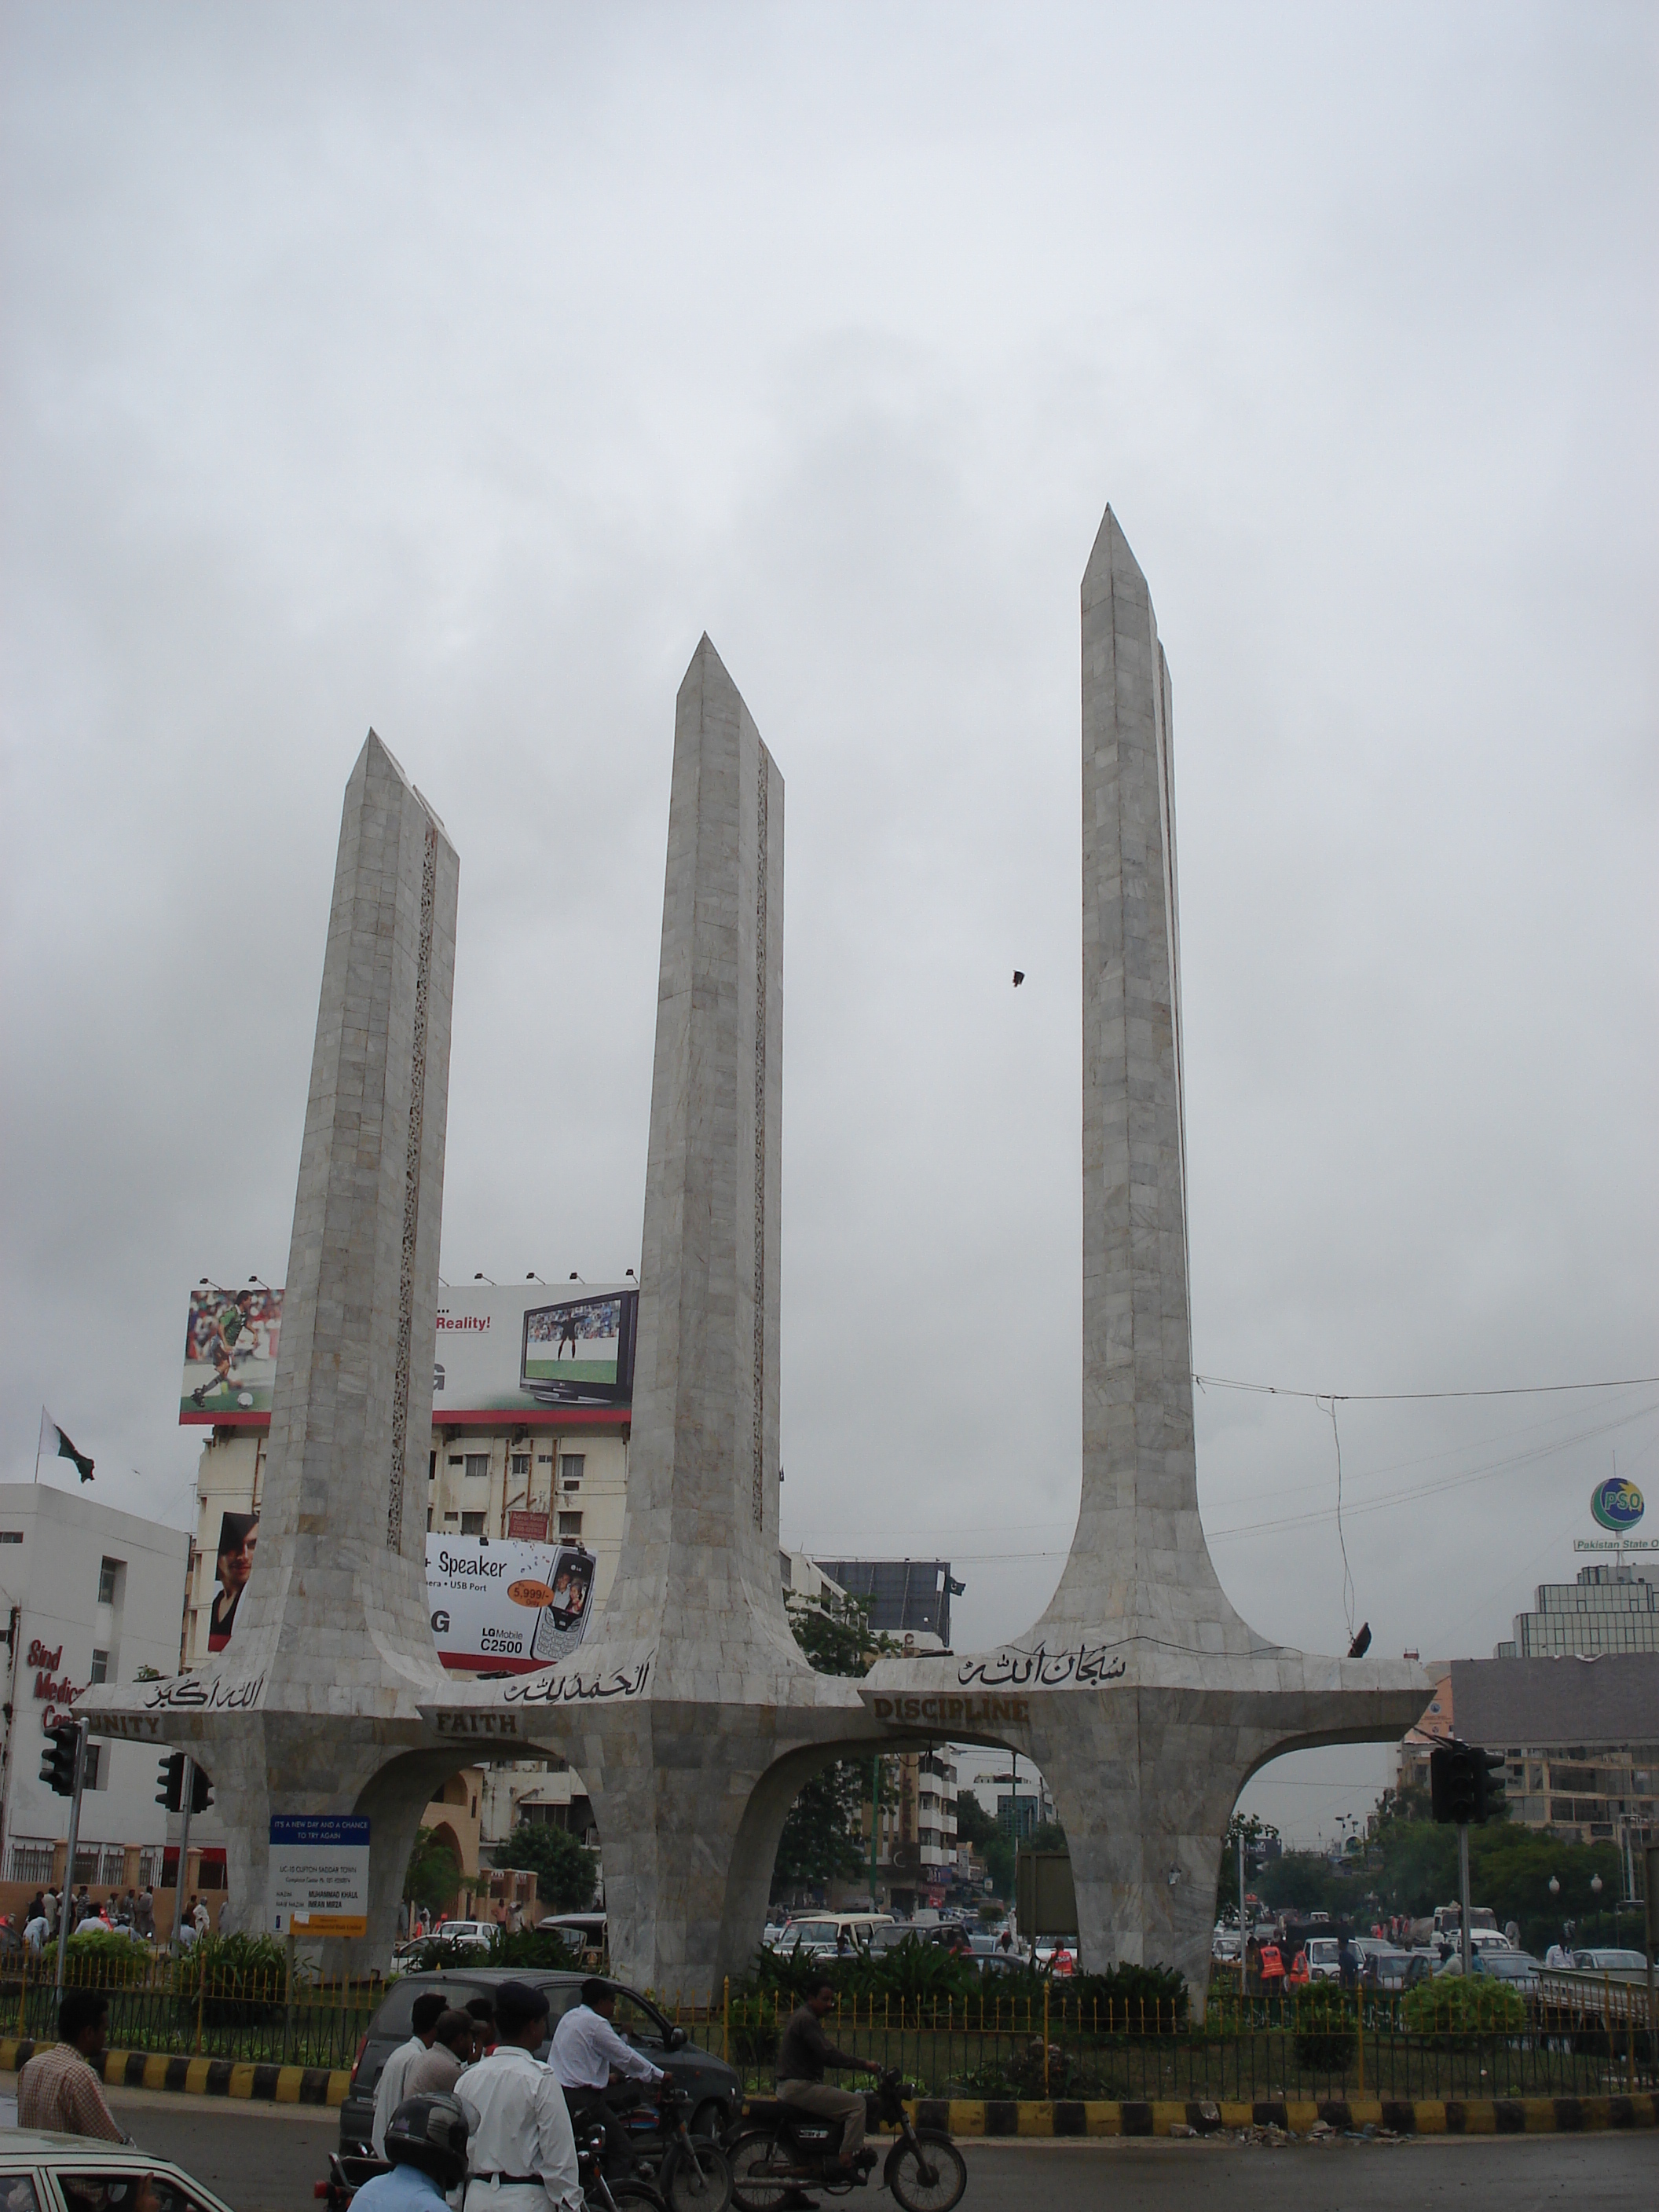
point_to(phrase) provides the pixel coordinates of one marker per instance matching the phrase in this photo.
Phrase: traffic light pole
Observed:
(187, 1791)
(66, 1904)
(1463, 1889)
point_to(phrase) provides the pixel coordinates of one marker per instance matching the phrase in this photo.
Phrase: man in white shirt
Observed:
(427, 2011)
(520, 2151)
(1558, 1955)
(587, 2050)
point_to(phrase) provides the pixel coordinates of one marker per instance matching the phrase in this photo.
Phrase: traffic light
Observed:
(1489, 1798)
(1466, 1783)
(57, 1760)
(1452, 1785)
(201, 1791)
(171, 1775)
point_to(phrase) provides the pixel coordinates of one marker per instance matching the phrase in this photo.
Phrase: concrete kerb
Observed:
(323, 2086)
(1003, 2118)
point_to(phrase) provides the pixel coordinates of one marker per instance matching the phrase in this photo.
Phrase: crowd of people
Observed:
(132, 1915)
(467, 2104)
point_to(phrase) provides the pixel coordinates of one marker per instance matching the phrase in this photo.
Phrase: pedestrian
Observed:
(586, 2051)
(199, 1914)
(51, 1902)
(521, 2151)
(802, 2055)
(482, 2012)
(426, 2144)
(35, 1930)
(59, 2090)
(428, 2009)
(438, 2068)
(143, 1913)
(1272, 1971)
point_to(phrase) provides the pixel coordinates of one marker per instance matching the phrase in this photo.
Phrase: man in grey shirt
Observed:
(802, 2057)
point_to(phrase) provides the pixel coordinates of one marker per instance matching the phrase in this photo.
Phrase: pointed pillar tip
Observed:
(1111, 552)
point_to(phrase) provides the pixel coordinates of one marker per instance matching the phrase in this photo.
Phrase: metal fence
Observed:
(1577, 2038)
(1262, 2049)
(185, 2008)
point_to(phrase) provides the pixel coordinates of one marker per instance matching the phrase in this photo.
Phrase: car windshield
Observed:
(1599, 1958)
(1508, 1966)
(810, 1931)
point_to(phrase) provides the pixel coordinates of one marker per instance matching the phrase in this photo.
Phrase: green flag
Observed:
(54, 1444)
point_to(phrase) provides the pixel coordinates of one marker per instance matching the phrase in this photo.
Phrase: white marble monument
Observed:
(690, 1711)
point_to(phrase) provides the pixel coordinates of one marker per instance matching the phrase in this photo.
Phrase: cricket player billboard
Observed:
(535, 1351)
(501, 1605)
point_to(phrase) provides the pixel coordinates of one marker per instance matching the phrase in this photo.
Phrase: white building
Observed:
(91, 1595)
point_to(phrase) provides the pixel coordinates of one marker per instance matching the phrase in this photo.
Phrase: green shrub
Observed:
(100, 1958)
(1124, 1995)
(1466, 2006)
(1325, 2026)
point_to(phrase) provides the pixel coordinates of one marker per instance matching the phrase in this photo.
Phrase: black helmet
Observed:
(429, 2132)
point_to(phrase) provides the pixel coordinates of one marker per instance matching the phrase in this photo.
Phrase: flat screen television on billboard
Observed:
(580, 1351)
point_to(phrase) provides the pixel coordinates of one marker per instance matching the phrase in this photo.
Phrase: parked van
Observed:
(829, 1935)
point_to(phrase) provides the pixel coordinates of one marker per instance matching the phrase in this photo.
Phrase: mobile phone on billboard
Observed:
(562, 1622)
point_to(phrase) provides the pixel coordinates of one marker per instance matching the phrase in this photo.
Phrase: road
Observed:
(261, 2159)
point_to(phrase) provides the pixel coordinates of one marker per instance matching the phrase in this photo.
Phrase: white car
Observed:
(38, 2172)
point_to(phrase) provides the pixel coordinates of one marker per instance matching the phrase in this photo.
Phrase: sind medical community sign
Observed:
(318, 1879)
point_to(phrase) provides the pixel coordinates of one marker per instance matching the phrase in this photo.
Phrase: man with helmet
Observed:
(426, 2141)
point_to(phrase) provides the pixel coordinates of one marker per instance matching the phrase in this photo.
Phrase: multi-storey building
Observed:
(1608, 1609)
(91, 1594)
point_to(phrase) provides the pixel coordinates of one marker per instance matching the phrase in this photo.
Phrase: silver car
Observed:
(77, 2173)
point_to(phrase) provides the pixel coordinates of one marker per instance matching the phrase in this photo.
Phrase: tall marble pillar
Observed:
(312, 1706)
(1140, 1693)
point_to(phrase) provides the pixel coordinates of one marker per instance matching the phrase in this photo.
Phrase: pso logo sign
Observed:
(1617, 1504)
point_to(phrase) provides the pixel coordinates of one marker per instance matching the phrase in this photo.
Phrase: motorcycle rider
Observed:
(802, 2055)
(426, 2142)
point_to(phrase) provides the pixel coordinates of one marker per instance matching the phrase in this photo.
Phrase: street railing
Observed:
(1347, 2046)
(187, 2008)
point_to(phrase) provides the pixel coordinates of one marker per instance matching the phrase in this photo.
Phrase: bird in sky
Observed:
(1019, 977)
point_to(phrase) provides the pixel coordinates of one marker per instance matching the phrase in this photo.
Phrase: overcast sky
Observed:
(451, 370)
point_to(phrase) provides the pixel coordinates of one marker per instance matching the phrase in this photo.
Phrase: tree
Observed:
(1048, 1836)
(822, 1838)
(566, 1871)
(980, 1830)
(433, 1874)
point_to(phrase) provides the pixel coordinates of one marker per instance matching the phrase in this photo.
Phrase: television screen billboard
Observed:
(529, 1352)
(503, 1606)
(230, 1355)
(579, 1351)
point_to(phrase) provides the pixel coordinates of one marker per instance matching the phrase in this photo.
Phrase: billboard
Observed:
(239, 1539)
(532, 1353)
(230, 1355)
(504, 1606)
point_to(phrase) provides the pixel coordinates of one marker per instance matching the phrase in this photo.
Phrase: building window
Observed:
(570, 1524)
(107, 1571)
(13, 1536)
(477, 1466)
(429, 1516)
(101, 1666)
(542, 1459)
(570, 1469)
(521, 1463)
(30, 1862)
(432, 1467)
(456, 1459)
(472, 1524)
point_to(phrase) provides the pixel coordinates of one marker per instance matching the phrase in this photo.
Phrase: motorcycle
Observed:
(599, 2194)
(777, 2150)
(690, 2172)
